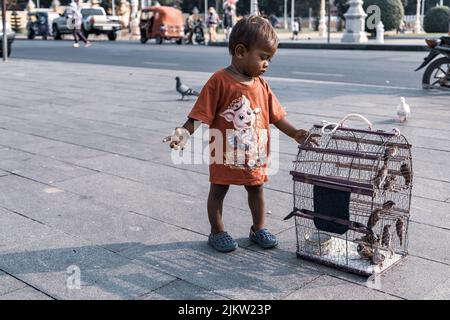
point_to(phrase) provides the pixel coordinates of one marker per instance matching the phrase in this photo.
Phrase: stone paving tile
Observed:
(52, 264)
(242, 274)
(181, 290)
(9, 284)
(39, 168)
(27, 293)
(329, 288)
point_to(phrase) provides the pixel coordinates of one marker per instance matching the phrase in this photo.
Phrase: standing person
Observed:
(238, 106)
(295, 29)
(75, 20)
(227, 22)
(189, 28)
(212, 22)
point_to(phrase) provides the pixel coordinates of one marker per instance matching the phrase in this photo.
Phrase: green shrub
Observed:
(392, 12)
(436, 19)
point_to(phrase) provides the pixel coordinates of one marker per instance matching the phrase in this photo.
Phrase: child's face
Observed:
(256, 61)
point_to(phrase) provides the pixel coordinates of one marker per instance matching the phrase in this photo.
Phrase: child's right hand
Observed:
(178, 139)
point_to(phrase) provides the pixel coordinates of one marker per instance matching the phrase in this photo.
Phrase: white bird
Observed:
(403, 110)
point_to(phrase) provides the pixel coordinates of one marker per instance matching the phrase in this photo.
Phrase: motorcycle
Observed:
(437, 74)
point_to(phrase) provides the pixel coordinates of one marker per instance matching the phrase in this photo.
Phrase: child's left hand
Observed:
(302, 135)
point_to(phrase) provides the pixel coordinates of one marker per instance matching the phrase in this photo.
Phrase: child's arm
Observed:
(182, 134)
(298, 135)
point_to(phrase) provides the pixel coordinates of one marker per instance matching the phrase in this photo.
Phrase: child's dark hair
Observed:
(250, 31)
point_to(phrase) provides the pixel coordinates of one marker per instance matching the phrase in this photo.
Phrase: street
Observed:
(88, 190)
(385, 68)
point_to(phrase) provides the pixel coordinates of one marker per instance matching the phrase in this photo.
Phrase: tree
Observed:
(436, 19)
(392, 12)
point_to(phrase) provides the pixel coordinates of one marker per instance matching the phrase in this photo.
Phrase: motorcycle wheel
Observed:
(159, 39)
(112, 36)
(437, 75)
(56, 33)
(30, 34)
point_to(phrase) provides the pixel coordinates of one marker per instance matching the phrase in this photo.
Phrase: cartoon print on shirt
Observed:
(247, 140)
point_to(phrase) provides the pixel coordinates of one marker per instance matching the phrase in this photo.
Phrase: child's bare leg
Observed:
(257, 205)
(217, 193)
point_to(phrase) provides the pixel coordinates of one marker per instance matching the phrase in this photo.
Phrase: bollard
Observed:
(380, 32)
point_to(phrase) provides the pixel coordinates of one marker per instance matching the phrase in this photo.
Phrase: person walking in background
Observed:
(212, 22)
(227, 22)
(295, 29)
(189, 27)
(74, 20)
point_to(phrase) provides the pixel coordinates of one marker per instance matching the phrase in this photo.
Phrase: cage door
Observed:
(333, 203)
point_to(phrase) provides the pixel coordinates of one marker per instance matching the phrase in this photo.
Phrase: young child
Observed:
(237, 103)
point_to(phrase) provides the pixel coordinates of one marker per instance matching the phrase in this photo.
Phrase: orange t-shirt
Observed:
(239, 118)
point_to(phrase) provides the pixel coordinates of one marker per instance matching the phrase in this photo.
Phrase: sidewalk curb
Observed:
(344, 46)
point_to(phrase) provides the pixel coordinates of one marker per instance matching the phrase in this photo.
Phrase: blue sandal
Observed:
(263, 238)
(222, 242)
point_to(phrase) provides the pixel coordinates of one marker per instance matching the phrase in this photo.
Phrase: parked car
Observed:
(10, 34)
(94, 21)
(40, 24)
(161, 23)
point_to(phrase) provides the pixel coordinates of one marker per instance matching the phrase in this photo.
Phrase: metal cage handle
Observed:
(341, 123)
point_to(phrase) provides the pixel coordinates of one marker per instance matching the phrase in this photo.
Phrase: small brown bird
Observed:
(389, 153)
(386, 239)
(399, 228)
(378, 258)
(405, 171)
(373, 218)
(370, 239)
(380, 177)
(388, 205)
(365, 252)
(389, 184)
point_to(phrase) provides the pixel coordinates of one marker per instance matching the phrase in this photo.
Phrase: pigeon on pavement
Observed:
(184, 90)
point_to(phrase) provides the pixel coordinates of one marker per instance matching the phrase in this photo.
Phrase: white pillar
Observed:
(309, 19)
(113, 7)
(206, 10)
(417, 24)
(285, 15)
(355, 23)
(422, 14)
(380, 32)
(292, 13)
(322, 25)
(254, 7)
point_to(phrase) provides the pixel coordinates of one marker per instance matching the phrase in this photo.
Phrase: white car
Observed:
(10, 34)
(95, 20)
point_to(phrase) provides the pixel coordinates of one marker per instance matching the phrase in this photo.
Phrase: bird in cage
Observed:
(364, 251)
(399, 227)
(386, 238)
(378, 258)
(381, 176)
(388, 205)
(369, 239)
(389, 153)
(373, 218)
(405, 171)
(389, 184)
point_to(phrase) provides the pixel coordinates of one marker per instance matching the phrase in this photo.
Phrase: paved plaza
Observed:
(87, 188)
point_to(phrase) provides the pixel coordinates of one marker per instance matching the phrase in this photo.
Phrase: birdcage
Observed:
(352, 197)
